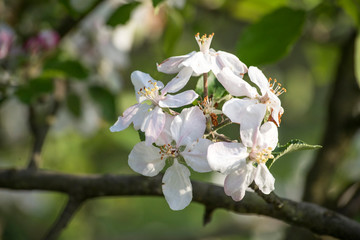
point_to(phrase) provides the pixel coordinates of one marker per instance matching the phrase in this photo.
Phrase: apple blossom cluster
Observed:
(177, 141)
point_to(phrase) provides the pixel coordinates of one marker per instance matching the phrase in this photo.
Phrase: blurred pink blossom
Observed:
(45, 40)
(7, 37)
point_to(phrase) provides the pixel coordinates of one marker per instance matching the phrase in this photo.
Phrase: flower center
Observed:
(168, 150)
(276, 88)
(261, 156)
(151, 93)
(204, 42)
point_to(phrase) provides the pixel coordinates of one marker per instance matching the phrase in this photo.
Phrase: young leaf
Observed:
(122, 14)
(34, 89)
(270, 38)
(67, 69)
(291, 146)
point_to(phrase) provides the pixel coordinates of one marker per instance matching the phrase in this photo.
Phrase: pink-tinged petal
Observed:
(179, 81)
(171, 65)
(177, 187)
(223, 59)
(275, 106)
(138, 119)
(142, 80)
(198, 63)
(237, 182)
(249, 114)
(127, 118)
(195, 155)
(153, 124)
(235, 85)
(226, 157)
(268, 136)
(165, 135)
(250, 124)
(257, 77)
(264, 179)
(146, 160)
(188, 126)
(178, 100)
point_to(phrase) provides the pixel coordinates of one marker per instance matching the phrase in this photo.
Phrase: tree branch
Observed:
(73, 204)
(340, 129)
(315, 218)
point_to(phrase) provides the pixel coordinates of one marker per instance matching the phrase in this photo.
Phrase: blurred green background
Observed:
(298, 42)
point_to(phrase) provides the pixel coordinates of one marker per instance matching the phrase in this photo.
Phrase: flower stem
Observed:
(205, 85)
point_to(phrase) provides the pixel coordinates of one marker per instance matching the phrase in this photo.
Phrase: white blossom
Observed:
(148, 115)
(181, 140)
(245, 162)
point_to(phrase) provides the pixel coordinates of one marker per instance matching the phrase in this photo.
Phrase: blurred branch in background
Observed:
(341, 126)
(315, 218)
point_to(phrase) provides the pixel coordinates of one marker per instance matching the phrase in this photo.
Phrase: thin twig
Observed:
(205, 77)
(67, 214)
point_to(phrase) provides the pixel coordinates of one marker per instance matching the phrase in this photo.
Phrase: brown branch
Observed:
(340, 129)
(313, 217)
(70, 209)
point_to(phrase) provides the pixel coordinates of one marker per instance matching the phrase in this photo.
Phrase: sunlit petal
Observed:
(177, 187)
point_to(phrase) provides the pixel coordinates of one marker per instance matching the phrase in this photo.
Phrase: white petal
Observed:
(275, 105)
(235, 85)
(249, 127)
(198, 63)
(177, 187)
(179, 81)
(146, 160)
(223, 59)
(140, 116)
(257, 77)
(249, 114)
(237, 182)
(196, 155)
(226, 157)
(171, 65)
(165, 135)
(188, 126)
(178, 100)
(140, 80)
(127, 118)
(264, 179)
(268, 136)
(153, 124)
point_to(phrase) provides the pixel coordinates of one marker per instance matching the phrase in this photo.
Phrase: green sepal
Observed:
(291, 146)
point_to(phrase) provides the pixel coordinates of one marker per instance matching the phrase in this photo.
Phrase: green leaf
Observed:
(214, 87)
(73, 103)
(122, 14)
(357, 58)
(270, 38)
(68, 6)
(156, 2)
(352, 8)
(291, 146)
(141, 135)
(34, 89)
(173, 31)
(106, 101)
(56, 68)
